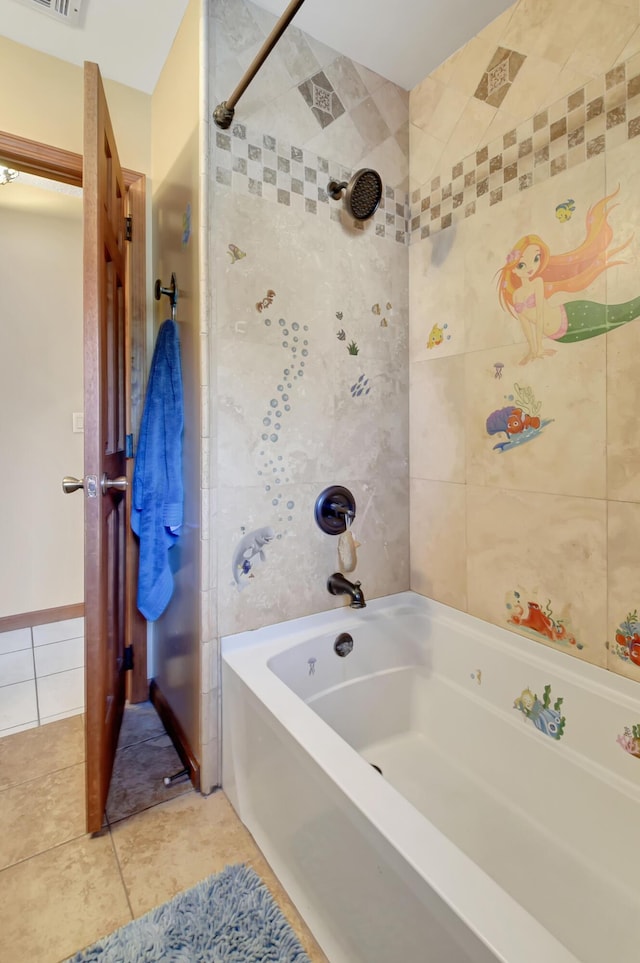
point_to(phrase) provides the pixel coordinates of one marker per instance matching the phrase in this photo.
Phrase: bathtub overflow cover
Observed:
(343, 644)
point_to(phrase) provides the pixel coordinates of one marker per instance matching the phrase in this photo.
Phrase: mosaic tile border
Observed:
(256, 164)
(597, 117)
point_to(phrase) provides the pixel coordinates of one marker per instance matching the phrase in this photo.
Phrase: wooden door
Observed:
(106, 498)
(35, 157)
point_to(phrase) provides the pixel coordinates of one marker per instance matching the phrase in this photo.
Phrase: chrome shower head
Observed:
(363, 193)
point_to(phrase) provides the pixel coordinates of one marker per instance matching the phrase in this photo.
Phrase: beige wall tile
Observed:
(345, 78)
(534, 87)
(495, 31)
(470, 64)
(501, 123)
(631, 48)
(423, 101)
(393, 104)
(590, 449)
(437, 294)
(623, 426)
(550, 549)
(489, 236)
(469, 133)
(623, 596)
(425, 153)
(444, 117)
(566, 454)
(437, 425)
(608, 28)
(391, 159)
(539, 25)
(438, 541)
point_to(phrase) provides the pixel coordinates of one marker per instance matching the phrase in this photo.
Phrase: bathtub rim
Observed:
(496, 918)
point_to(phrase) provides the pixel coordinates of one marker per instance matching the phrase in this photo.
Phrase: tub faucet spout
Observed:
(337, 584)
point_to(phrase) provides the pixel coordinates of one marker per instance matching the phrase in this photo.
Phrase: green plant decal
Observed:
(527, 400)
(353, 348)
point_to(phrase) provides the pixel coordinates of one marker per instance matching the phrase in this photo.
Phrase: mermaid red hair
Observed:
(572, 271)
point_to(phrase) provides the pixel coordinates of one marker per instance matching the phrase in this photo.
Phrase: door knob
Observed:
(71, 484)
(120, 483)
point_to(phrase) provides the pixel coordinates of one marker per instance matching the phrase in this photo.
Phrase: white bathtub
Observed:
(485, 838)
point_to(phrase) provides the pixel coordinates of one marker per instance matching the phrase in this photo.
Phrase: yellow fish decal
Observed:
(436, 336)
(565, 210)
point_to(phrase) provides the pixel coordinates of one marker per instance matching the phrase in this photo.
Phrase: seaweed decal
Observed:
(627, 643)
(630, 740)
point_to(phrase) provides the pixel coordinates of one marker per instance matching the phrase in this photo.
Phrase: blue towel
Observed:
(156, 510)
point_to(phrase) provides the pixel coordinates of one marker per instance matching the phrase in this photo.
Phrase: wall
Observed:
(42, 666)
(537, 529)
(49, 108)
(294, 284)
(40, 387)
(41, 674)
(175, 141)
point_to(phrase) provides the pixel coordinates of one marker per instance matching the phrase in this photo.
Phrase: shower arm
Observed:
(223, 114)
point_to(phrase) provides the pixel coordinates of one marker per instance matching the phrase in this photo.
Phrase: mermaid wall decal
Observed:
(534, 284)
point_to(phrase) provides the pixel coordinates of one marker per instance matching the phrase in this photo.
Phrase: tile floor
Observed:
(60, 890)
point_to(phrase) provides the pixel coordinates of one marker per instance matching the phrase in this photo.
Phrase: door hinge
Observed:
(128, 657)
(128, 446)
(128, 228)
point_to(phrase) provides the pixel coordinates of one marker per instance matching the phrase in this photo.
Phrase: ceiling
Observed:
(404, 40)
(129, 39)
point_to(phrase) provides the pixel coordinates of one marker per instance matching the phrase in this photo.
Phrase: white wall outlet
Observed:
(78, 421)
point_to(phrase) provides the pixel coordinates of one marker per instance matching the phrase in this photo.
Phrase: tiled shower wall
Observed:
(521, 133)
(308, 341)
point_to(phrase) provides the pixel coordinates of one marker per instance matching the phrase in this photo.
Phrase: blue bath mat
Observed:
(227, 918)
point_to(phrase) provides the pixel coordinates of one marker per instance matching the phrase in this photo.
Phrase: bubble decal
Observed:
(295, 344)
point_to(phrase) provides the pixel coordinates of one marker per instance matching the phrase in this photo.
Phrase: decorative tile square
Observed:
(541, 120)
(576, 99)
(499, 75)
(324, 102)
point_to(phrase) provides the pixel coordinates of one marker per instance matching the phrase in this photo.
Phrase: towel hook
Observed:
(172, 294)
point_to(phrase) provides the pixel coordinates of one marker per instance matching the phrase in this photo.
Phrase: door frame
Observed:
(34, 157)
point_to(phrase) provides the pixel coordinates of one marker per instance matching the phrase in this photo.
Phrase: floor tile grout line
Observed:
(120, 873)
(160, 802)
(49, 849)
(41, 776)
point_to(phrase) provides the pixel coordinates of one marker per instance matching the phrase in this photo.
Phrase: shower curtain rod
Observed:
(223, 114)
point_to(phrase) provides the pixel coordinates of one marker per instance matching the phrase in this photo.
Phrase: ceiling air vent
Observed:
(67, 11)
